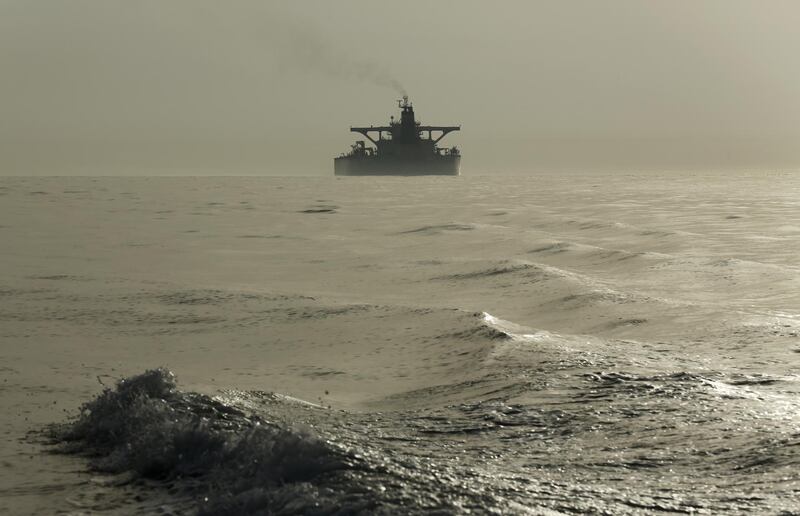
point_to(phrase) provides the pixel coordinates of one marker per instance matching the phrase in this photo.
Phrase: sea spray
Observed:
(233, 462)
(146, 425)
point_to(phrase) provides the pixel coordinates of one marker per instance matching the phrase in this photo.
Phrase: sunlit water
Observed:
(547, 344)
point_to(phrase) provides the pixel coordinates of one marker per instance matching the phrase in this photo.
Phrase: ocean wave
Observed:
(481, 330)
(593, 252)
(518, 333)
(685, 385)
(146, 425)
(230, 461)
(440, 228)
(510, 267)
(452, 448)
(525, 271)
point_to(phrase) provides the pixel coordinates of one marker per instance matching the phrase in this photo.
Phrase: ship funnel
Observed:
(403, 103)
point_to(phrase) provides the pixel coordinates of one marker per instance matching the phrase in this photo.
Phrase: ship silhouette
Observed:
(400, 149)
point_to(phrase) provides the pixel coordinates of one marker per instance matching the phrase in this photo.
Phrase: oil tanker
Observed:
(402, 148)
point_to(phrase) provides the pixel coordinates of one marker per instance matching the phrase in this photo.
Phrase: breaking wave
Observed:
(233, 460)
(243, 464)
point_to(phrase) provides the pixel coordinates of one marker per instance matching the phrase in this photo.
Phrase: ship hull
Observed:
(375, 166)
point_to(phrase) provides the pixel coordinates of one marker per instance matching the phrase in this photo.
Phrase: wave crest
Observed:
(146, 425)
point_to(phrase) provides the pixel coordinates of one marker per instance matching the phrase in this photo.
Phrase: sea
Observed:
(550, 343)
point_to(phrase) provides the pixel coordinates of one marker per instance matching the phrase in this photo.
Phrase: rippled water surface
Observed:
(560, 344)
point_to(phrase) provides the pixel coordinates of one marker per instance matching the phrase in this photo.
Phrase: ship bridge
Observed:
(407, 130)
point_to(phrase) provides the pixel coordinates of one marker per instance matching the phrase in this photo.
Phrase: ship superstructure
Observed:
(402, 148)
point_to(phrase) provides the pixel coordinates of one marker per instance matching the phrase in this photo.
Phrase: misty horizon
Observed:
(148, 88)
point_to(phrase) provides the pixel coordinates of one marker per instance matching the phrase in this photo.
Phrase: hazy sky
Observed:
(165, 86)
